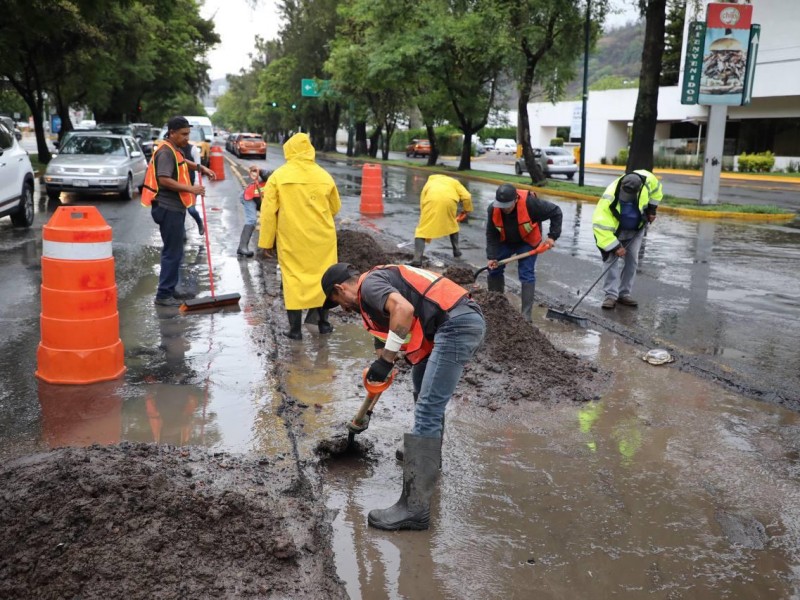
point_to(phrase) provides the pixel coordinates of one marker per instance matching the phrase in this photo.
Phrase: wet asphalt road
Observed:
(660, 488)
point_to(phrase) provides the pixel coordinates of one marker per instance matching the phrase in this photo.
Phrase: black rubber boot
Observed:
(400, 455)
(420, 472)
(324, 326)
(454, 244)
(528, 290)
(295, 324)
(419, 250)
(244, 241)
(496, 284)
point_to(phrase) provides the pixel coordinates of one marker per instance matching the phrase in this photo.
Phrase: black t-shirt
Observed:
(167, 167)
(377, 286)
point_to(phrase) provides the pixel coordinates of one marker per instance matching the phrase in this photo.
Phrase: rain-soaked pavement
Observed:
(670, 486)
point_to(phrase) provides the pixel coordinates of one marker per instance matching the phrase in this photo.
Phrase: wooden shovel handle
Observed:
(538, 250)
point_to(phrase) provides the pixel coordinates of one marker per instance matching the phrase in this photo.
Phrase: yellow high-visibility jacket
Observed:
(605, 220)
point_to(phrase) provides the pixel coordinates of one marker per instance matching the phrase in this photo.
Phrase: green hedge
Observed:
(761, 162)
(557, 142)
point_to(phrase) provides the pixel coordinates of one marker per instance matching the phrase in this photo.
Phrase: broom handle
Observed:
(611, 264)
(208, 242)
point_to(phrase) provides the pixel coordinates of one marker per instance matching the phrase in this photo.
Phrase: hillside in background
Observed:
(615, 62)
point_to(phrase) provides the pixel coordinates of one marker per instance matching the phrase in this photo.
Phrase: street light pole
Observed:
(586, 27)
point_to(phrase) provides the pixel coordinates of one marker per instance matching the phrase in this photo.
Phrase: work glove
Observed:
(549, 243)
(379, 370)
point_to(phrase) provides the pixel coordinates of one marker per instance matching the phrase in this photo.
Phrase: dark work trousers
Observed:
(171, 225)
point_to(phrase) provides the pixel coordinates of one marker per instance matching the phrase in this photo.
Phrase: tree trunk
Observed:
(434, 155)
(38, 127)
(466, 150)
(373, 142)
(62, 109)
(361, 138)
(524, 125)
(646, 115)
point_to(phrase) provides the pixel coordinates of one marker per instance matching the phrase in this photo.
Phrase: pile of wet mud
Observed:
(517, 361)
(144, 521)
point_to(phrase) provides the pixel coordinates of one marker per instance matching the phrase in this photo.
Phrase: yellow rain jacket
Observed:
(298, 207)
(438, 206)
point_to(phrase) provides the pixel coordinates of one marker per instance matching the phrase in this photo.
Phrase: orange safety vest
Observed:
(251, 192)
(431, 286)
(529, 231)
(150, 188)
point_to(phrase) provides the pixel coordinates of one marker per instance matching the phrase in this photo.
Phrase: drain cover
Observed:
(657, 356)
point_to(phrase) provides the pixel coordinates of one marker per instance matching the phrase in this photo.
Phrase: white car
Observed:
(91, 163)
(16, 180)
(505, 146)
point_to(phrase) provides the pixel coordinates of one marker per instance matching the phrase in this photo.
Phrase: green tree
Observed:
(646, 114)
(11, 102)
(673, 42)
(549, 39)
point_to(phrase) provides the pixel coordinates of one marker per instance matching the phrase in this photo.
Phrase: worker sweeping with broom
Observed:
(438, 327)
(297, 210)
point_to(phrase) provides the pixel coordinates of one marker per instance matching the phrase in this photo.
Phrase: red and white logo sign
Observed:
(729, 16)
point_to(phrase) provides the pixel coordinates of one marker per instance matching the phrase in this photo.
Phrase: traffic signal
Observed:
(294, 106)
(274, 105)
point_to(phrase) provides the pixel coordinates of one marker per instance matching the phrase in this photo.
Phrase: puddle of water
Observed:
(658, 490)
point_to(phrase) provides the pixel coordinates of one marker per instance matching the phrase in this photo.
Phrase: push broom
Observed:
(215, 300)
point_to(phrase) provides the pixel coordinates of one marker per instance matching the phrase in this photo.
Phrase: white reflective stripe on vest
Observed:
(73, 251)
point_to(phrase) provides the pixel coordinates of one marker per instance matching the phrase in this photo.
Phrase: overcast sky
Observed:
(237, 23)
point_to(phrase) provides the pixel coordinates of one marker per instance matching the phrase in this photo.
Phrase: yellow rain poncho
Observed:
(439, 205)
(298, 207)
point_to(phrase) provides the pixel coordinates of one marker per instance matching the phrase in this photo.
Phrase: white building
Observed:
(770, 122)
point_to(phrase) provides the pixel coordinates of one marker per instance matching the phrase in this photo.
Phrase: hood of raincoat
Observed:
(298, 147)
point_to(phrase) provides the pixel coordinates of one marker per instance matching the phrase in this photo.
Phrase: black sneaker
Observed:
(200, 229)
(183, 295)
(167, 302)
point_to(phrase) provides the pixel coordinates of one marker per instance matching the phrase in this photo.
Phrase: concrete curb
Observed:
(691, 172)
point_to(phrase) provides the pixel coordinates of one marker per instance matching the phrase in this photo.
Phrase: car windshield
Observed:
(207, 133)
(141, 131)
(85, 144)
(557, 151)
(118, 129)
(196, 135)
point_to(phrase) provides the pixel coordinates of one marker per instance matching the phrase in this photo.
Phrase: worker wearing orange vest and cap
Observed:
(169, 192)
(513, 226)
(438, 327)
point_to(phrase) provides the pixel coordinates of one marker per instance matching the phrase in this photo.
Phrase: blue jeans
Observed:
(526, 266)
(192, 210)
(436, 377)
(249, 211)
(170, 224)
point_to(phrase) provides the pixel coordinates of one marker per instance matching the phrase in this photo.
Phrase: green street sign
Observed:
(314, 88)
(693, 65)
(752, 55)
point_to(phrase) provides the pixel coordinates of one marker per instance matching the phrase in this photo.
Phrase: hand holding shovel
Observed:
(543, 247)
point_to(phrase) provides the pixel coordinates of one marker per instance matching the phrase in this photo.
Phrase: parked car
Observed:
(418, 148)
(143, 134)
(229, 142)
(90, 163)
(12, 127)
(479, 148)
(250, 144)
(16, 180)
(554, 161)
(505, 146)
(488, 143)
(65, 137)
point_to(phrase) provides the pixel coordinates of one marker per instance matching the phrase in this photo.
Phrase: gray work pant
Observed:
(619, 279)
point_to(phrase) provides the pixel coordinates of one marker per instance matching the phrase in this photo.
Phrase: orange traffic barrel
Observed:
(79, 321)
(371, 190)
(216, 162)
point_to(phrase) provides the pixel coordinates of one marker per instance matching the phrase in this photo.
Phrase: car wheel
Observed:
(517, 168)
(570, 176)
(23, 216)
(127, 193)
(53, 195)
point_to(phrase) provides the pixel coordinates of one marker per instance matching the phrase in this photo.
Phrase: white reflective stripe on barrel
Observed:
(75, 251)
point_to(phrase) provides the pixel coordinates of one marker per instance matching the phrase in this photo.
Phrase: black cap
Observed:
(629, 187)
(506, 196)
(264, 174)
(178, 122)
(338, 273)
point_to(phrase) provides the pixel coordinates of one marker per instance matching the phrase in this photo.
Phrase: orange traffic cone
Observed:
(371, 190)
(216, 162)
(79, 321)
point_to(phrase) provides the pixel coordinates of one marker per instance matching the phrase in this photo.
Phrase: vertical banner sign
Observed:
(725, 53)
(693, 63)
(752, 56)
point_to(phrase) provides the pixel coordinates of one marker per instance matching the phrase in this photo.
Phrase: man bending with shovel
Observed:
(438, 327)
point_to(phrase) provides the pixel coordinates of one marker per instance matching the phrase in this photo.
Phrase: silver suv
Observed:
(16, 180)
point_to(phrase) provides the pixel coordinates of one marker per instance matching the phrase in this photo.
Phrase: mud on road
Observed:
(144, 521)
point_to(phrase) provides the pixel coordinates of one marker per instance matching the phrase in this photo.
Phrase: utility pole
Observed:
(586, 28)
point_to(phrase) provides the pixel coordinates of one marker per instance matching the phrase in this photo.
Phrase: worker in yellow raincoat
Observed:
(439, 213)
(297, 209)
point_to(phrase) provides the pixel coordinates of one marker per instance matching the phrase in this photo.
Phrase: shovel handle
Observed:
(538, 250)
